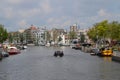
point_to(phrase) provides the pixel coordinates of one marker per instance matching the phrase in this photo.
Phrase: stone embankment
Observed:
(116, 56)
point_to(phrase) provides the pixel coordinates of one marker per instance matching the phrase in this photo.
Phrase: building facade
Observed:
(73, 28)
(36, 35)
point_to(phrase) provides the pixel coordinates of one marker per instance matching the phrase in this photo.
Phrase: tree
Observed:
(104, 30)
(55, 35)
(59, 39)
(10, 37)
(72, 35)
(99, 31)
(48, 36)
(82, 39)
(114, 30)
(3, 33)
(92, 33)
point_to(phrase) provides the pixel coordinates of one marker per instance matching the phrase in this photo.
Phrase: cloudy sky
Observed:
(17, 14)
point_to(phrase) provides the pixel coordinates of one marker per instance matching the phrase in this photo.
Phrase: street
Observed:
(38, 63)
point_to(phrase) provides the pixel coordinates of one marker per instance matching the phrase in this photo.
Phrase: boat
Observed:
(23, 47)
(42, 44)
(106, 52)
(5, 54)
(95, 51)
(92, 54)
(47, 45)
(58, 53)
(13, 50)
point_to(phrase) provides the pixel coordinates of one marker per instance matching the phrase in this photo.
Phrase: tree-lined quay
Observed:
(101, 33)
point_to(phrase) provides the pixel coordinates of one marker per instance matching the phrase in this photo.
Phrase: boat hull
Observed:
(13, 51)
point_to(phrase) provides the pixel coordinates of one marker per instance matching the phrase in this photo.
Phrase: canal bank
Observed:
(116, 56)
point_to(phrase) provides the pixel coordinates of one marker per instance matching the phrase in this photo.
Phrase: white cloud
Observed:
(43, 9)
(54, 20)
(46, 7)
(14, 1)
(59, 13)
(103, 12)
(22, 23)
(61, 22)
(50, 20)
(67, 23)
(58, 20)
(29, 12)
(8, 12)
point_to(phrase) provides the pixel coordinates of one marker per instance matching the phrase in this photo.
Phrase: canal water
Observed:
(38, 63)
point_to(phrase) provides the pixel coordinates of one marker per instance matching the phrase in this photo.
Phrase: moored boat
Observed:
(106, 52)
(47, 45)
(13, 50)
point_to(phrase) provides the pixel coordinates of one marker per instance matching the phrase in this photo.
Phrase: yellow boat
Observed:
(107, 52)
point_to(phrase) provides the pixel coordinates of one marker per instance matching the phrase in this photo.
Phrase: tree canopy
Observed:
(72, 35)
(3, 33)
(105, 30)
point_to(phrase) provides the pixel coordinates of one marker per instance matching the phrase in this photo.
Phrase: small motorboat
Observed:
(5, 54)
(58, 53)
(47, 45)
(23, 47)
(13, 50)
(92, 54)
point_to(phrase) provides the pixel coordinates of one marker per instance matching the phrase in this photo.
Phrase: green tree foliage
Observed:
(82, 39)
(59, 39)
(92, 33)
(55, 35)
(72, 35)
(101, 29)
(48, 35)
(114, 30)
(3, 33)
(10, 37)
(105, 30)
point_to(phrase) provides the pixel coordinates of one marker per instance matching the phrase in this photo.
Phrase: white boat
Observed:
(47, 45)
(25, 47)
(42, 44)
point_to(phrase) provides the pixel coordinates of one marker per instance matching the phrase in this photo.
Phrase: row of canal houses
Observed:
(41, 36)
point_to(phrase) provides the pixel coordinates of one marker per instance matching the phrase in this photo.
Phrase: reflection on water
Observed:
(107, 59)
(108, 69)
